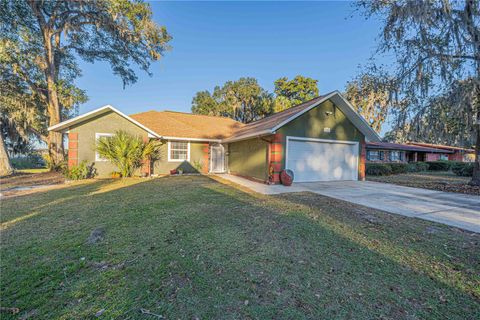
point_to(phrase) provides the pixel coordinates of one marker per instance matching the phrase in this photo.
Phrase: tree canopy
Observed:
(436, 46)
(40, 42)
(243, 100)
(293, 92)
(246, 101)
(370, 95)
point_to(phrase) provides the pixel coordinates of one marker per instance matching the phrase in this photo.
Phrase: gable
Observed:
(325, 121)
(109, 122)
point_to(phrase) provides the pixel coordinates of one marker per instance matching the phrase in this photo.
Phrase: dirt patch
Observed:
(24, 183)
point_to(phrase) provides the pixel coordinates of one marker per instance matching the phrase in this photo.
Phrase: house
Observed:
(320, 140)
(395, 152)
(454, 153)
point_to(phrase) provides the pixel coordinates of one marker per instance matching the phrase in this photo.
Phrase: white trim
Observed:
(66, 124)
(190, 139)
(178, 160)
(97, 136)
(355, 143)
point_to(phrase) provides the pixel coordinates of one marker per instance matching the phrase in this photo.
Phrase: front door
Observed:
(217, 158)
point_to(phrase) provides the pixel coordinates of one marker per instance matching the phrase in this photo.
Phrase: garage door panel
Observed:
(322, 161)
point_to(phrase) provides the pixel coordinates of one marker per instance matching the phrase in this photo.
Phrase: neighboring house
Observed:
(395, 152)
(454, 153)
(320, 140)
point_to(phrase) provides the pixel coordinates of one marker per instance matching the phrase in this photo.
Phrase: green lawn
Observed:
(435, 180)
(190, 247)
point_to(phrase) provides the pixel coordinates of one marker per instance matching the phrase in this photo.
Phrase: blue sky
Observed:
(214, 42)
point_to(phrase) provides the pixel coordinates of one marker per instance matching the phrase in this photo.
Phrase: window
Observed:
(98, 136)
(443, 157)
(373, 155)
(178, 151)
(395, 156)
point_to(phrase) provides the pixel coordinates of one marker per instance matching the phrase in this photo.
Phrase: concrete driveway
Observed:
(454, 209)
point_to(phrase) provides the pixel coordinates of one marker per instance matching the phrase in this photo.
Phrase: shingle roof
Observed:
(187, 125)
(440, 146)
(404, 147)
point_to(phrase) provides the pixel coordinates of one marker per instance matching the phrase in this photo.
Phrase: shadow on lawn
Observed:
(192, 247)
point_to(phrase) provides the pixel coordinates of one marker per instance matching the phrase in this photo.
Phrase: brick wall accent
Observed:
(72, 149)
(276, 156)
(206, 158)
(146, 164)
(457, 156)
(363, 159)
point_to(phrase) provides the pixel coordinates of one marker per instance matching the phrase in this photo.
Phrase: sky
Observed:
(214, 42)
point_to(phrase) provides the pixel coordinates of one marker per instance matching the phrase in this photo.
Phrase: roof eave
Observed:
(65, 125)
(248, 136)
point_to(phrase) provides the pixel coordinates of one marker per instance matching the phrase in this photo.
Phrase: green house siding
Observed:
(106, 123)
(197, 159)
(312, 124)
(249, 158)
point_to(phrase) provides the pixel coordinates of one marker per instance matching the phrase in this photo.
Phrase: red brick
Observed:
(72, 153)
(277, 147)
(276, 156)
(72, 144)
(361, 166)
(278, 137)
(277, 167)
(72, 162)
(73, 136)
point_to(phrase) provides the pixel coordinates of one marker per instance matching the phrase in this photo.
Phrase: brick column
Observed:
(276, 156)
(205, 158)
(363, 157)
(146, 164)
(72, 149)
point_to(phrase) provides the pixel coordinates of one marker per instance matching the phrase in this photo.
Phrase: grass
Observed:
(191, 247)
(35, 170)
(435, 180)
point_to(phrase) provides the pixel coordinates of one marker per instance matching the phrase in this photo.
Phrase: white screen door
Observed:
(217, 158)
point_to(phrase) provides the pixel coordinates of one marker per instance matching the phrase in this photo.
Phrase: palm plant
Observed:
(127, 151)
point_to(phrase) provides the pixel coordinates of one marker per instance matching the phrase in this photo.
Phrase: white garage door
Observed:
(322, 160)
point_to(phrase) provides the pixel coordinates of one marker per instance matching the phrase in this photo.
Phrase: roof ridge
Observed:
(200, 115)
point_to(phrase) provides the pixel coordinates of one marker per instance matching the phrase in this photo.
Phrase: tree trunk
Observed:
(5, 165)
(55, 139)
(476, 166)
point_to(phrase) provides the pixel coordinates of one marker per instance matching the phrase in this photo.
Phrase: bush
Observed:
(439, 165)
(378, 169)
(398, 168)
(464, 169)
(127, 151)
(417, 167)
(81, 171)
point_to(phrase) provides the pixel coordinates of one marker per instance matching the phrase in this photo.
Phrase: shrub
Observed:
(62, 166)
(464, 169)
(81, 171)
(417, 167)
(399, 168)
(439, 165)
(127, 151)
(378, 169)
